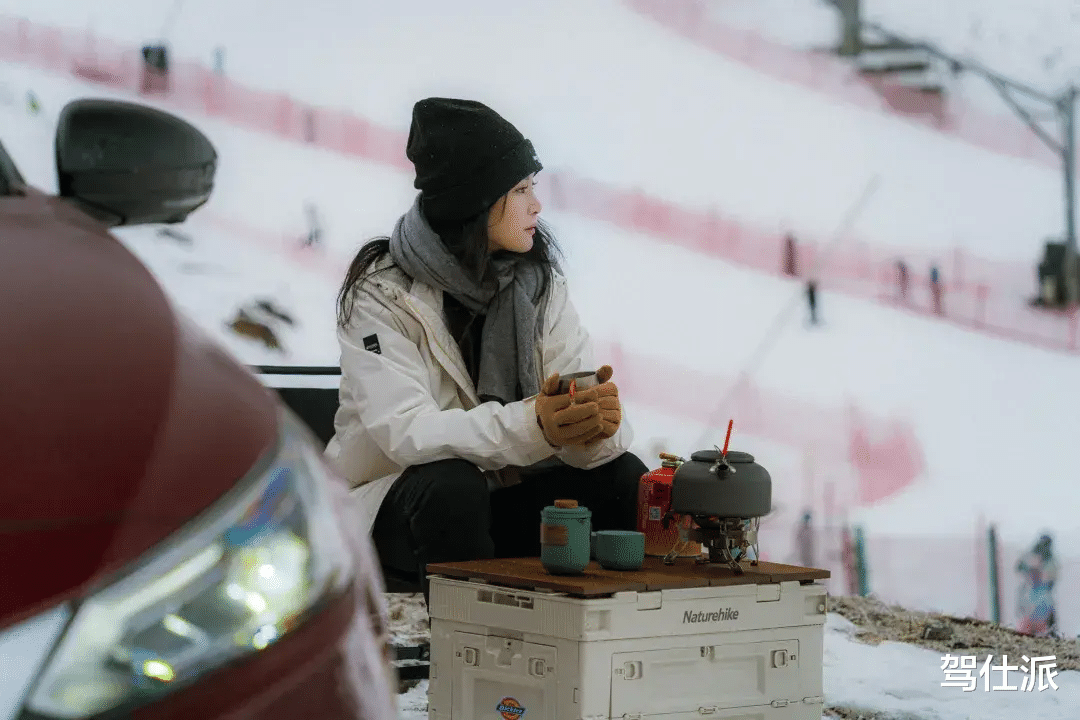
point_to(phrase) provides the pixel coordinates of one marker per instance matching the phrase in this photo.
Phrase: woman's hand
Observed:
(567, 422)
(607, 398)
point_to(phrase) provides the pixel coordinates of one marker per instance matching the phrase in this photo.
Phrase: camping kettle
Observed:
(714, 484)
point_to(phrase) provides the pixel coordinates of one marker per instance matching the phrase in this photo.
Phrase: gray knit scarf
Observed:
(509, 292)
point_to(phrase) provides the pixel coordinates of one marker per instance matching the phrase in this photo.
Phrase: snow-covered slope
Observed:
(993, 418)
(602, 89)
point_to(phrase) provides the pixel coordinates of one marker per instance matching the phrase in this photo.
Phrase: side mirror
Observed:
(129, 164)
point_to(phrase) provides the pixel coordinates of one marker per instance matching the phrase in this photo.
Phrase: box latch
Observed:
(632, 670)
(781, 658)
(471, 656)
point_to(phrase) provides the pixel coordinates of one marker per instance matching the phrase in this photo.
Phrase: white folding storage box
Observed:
(519, 643)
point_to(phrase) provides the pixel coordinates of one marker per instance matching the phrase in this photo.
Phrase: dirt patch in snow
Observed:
(958, 636)
(845, 713)
(408, 618)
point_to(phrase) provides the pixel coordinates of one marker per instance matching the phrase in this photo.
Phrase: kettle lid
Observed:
(711, 456)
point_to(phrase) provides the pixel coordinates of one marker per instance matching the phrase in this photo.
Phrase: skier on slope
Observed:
(1038, 570)
(453, 333)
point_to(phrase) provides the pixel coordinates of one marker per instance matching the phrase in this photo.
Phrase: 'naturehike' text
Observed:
(701, 616)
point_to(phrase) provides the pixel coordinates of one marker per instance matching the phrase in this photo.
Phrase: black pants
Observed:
(443, 511)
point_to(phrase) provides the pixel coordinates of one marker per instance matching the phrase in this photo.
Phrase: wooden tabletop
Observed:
(528, 573)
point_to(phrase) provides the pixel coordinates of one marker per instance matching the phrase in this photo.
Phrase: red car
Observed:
(171, 543)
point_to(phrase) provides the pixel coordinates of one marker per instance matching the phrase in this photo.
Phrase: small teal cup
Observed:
(564, 537)
(618, 549)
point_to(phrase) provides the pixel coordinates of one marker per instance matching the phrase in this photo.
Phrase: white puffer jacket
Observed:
(407, 398)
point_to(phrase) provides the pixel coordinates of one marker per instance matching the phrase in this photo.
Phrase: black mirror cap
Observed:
(130, 164)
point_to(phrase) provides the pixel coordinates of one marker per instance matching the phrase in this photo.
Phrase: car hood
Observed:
(119, 420)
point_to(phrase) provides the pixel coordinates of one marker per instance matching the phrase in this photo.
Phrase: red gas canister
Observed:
(654, 500)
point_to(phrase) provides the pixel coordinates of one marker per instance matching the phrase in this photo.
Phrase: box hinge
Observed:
(814, 700)
(780, 703)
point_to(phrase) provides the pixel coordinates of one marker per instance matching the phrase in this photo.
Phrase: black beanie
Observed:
(466, 157)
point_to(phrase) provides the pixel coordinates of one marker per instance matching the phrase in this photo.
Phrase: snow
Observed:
(994, 419)
(906, 680)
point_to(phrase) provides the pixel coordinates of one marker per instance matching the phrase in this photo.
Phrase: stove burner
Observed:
(725, 540)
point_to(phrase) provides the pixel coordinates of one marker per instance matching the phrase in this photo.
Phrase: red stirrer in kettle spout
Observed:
(722, 460)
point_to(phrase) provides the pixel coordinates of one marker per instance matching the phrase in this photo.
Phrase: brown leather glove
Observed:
(607, 397)
(564, 423)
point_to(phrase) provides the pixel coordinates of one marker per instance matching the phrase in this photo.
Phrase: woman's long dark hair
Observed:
(468, 243)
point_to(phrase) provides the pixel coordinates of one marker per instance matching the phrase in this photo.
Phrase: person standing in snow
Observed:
(935, 290)
(1038, 571)
(811, 300)
(454, 331)
(791, 266)
(902, 279)
(314, 235)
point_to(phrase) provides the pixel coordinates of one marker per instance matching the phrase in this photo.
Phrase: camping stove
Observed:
(725, 494)
(724, 540)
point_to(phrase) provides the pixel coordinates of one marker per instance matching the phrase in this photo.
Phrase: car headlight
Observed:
(241, 576)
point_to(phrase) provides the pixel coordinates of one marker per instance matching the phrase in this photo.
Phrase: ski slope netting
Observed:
(979, 294)
(696, 20)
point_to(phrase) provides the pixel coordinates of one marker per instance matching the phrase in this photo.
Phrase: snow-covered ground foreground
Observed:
(885, 681)
(904, 681)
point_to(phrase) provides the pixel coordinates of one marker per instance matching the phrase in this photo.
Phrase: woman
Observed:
(453, 332)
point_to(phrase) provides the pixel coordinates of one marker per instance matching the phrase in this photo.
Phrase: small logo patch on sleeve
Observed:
(371, 342)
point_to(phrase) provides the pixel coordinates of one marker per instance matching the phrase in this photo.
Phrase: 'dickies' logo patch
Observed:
(510, 708)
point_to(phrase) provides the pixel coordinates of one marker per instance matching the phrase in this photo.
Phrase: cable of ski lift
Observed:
(781, 318)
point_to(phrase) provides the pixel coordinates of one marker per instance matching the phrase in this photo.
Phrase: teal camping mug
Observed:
(618, 549)
(564, 537)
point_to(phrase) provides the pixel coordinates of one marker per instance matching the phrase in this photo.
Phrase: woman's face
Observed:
(512, 220)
